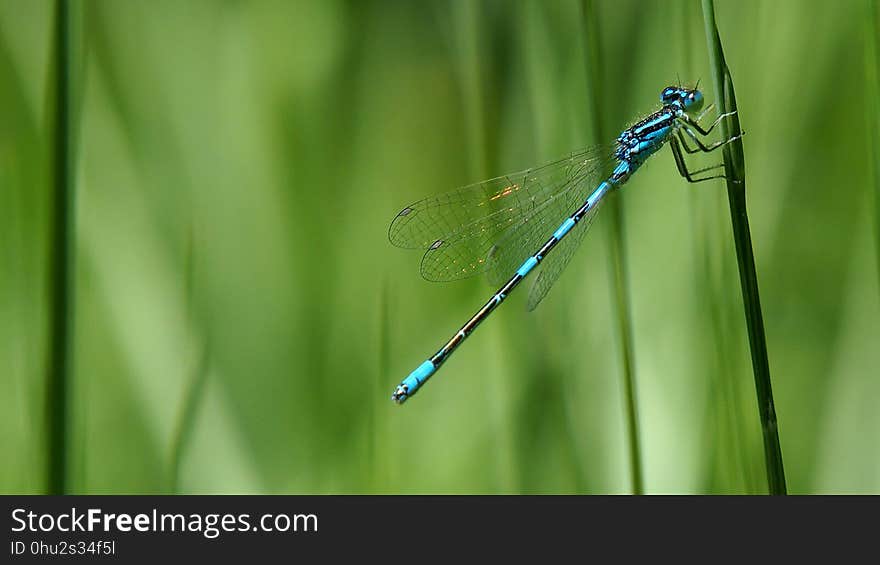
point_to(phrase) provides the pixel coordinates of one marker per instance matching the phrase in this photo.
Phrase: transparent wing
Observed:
(509, 252)
(559, 257)
(460, 228)
(499, 253)
(470, 209)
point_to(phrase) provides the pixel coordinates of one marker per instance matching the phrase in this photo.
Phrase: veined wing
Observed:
(498, 201)
(458, 229)
(498, 252)
(559, 258)
(514, 247)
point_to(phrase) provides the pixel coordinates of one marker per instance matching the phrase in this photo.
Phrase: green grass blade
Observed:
(734, 166)
(378, 421)
(722, 435)
(195, 391)
(61, 257)
(617, 249)
(872, 83)
(187, 418)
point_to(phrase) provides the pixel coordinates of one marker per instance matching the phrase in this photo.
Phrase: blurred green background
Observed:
(238, 163)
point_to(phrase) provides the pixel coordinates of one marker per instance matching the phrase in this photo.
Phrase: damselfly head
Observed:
(688, 99)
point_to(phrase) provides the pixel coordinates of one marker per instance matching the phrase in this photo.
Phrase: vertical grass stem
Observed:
(872, 99)
(734, 166)
(60, 260)
(617, 249)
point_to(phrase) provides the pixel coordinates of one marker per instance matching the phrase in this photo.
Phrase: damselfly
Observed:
(498, 226)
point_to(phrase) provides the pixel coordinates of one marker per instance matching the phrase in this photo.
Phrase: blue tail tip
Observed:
(400, 394)
(411, 383)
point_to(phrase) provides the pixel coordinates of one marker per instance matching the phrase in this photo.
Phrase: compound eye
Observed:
(694, 101)
(668, 94)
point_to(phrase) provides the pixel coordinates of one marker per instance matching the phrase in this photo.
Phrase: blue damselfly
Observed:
(498, 226)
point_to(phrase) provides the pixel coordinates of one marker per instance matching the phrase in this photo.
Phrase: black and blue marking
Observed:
(634, 146)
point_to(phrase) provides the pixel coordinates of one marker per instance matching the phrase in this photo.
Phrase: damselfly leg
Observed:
(691, 126)
(689, 175)
(700, 145)
(686, 120)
